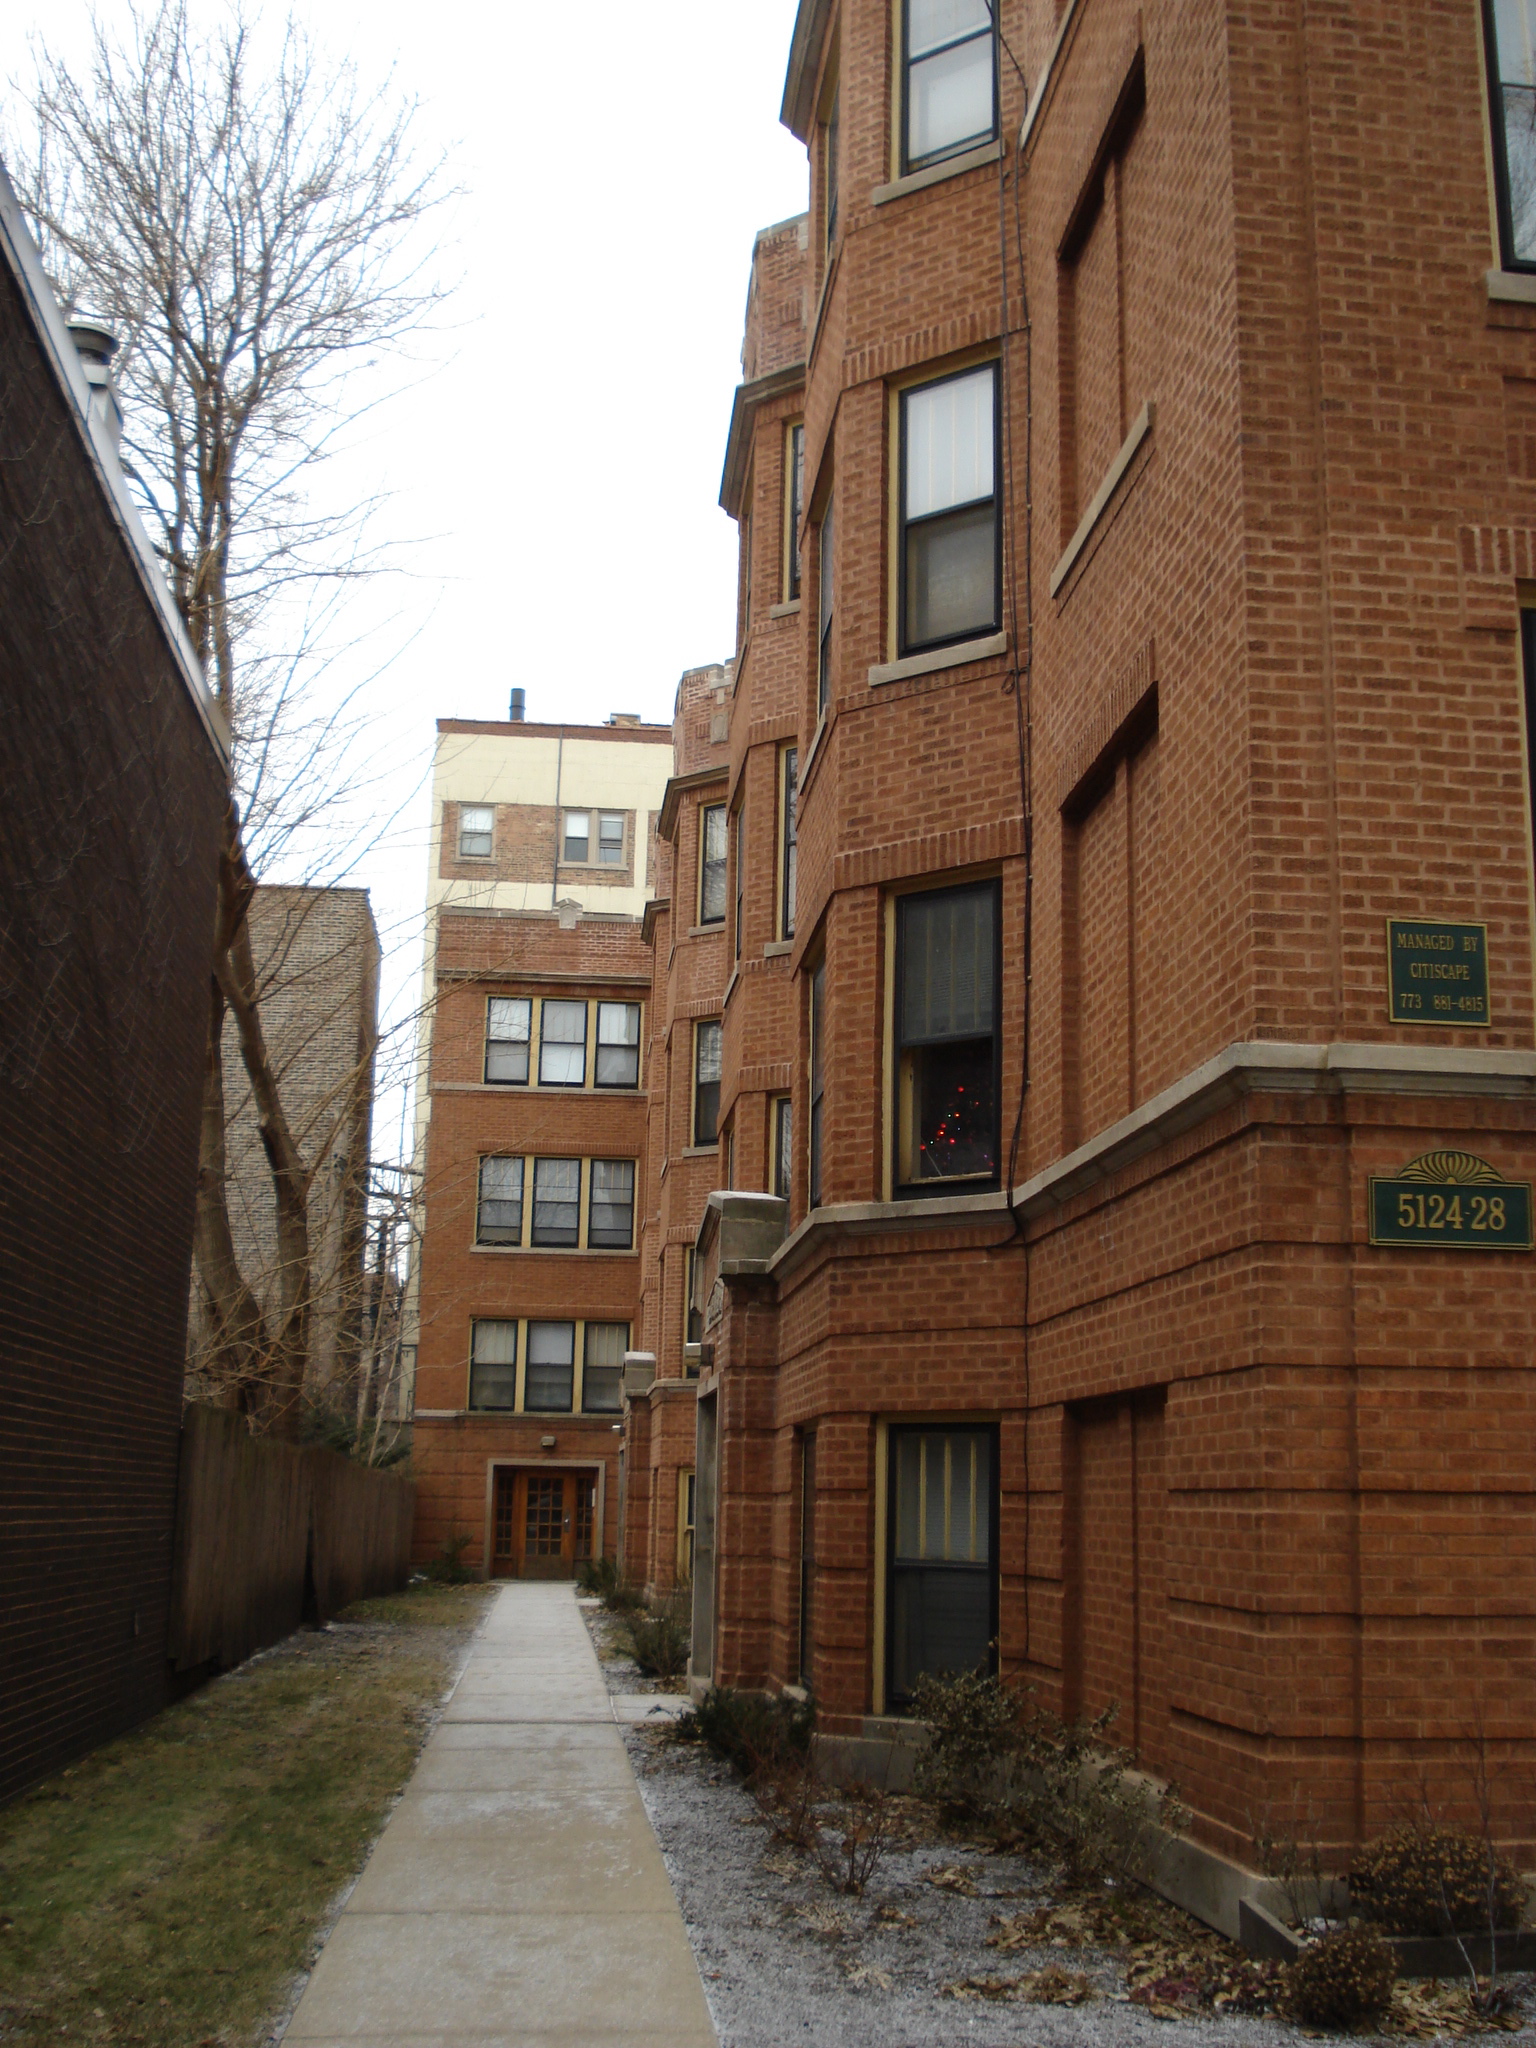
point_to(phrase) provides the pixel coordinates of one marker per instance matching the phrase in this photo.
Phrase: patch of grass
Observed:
(166, 1891)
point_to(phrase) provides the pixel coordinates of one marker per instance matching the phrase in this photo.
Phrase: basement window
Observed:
(947, 1040)
(950, 535)
(951, 86)
(508, 1028)
(1509, 29)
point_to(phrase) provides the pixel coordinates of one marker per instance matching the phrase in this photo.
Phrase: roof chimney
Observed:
(97, 345)
(519, 707)
(623, 718)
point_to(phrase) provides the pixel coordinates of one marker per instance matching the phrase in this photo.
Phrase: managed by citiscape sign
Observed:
(1437, 973)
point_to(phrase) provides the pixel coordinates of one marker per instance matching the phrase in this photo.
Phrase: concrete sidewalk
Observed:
(517, 1894)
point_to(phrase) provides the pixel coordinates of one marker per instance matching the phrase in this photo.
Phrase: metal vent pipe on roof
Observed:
(96, 345)
(519, 707)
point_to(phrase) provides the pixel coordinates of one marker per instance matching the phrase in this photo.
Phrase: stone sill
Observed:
(553, 1251)
(1141, 426)
(775, 949)
(936, 174)
(699, 1152)
(1513, 287)
(937, 658)
(784, 611)
(707, 931)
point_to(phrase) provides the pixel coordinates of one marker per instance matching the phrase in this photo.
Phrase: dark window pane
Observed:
(946, 1028)
(782, 1149)
(951, 576)
(610, 840)
(551, 1367)
(556, 1202)
(796, 507)
(789, 852)
(954, 1111)
(493, 1370)
(603, 1368)
(947, 957)
(706, 1083)
(942, 1561)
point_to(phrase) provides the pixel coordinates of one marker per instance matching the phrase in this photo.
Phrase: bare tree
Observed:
(251, 228)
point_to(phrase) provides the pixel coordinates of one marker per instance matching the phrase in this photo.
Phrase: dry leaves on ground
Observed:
(1427, 2011)
(866, 1976)
(953, 1877)
(1051, 1986)
(823, 1921)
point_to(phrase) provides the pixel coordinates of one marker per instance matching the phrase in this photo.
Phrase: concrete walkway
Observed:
(517, 1894)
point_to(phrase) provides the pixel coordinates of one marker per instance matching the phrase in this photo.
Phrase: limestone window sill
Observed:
(699, 1152)
(938, 658)
(1141, 427)
(777, 948)
(554, 1251)
(935, 174)
(706, 931)
(1512, 287)
(784, 611)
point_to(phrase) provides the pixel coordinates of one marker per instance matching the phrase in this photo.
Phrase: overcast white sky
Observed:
(558, 473)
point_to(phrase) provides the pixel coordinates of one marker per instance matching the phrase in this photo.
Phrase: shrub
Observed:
(755, 1731)
(1341, 1979)
(446, 1569)
(1063, 1785)
(659, 1637)
(602, 1577)
(1423, 1879)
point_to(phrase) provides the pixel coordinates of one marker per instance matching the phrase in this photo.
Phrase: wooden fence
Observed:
(269, 1536)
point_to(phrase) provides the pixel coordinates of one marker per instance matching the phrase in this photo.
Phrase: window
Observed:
(551, 1363)
(830, 166)
(477, 824)
(563, 1045)
(942, 1581)
(693, 1319)
(782, 1153)
(706, 1082)
(818, 1006)
(508, 1027)
(611, 1205)
(951, 96)
(687, 1494)
(949, 526)
(602, 1368)
(788, 790)
(824, 613)
(556, 1202)
(500, 1216)
(578, 836)
(1510, 30)
(493, 1366)
(610, 839)
(741, 870)
(947, 1036)
(794, 507)
(712, 864)
(618, 1045)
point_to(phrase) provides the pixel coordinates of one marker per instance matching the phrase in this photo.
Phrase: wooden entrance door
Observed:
(543, 1523)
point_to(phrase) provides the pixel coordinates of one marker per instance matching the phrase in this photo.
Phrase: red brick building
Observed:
(531, 1136)
(1134, 478)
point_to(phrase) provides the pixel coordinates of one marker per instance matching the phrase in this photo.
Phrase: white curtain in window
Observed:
(934, 22)
(946, 978)
(949, 443)
(495, 1343)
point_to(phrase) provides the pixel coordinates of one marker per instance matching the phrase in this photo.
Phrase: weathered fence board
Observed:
(257, 1521)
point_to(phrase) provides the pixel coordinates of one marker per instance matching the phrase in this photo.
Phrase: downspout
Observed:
(554, 872)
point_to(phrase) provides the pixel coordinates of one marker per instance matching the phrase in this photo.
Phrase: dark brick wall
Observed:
(108, 844)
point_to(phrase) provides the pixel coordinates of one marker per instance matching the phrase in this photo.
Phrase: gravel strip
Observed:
(785, 1959)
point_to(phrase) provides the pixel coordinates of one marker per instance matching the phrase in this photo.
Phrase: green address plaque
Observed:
(1453, 1201)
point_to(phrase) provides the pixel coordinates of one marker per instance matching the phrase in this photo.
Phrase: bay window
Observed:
(794, 507)
(712, 864)
(818, 1076)
(706, 1082)
(1509, 28)
(950, 78)
(949, 532)
(789, 778)
(947, 1039)
(826, 541)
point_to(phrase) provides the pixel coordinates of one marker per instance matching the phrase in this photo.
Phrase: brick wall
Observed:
(114, 801)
